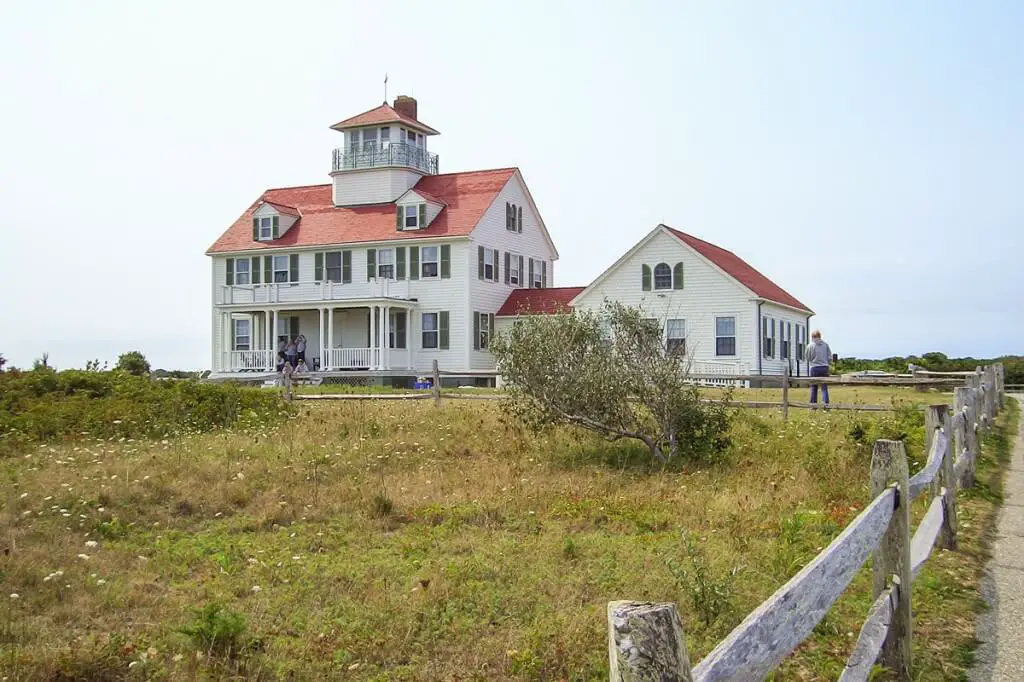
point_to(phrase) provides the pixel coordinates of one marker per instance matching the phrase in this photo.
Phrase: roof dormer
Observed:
(270, 221)
(415, 210)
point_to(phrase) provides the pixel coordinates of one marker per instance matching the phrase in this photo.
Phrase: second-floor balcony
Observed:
(300, 292)
(383, 155)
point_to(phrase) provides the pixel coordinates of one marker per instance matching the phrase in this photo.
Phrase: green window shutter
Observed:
(508, 265)
(529, 282)
(318, 267)
(255, 229)
(677, 276)
(293, 327)
(254, 268)
(273, 222)
(346, 267)
(508, 216)
(442, 325)
(400, 262)
(544, 274)
(423, 216)
(645, 277)
(399, 211)
(414, 262)
(400, 329)
(268, 269)
(371, 264)
(293, 267)
(446, 261)
(230, 277)
(231, 324)
(519, 211)
(521, 272)
(476, 330)
(479, 262)
(497, 262)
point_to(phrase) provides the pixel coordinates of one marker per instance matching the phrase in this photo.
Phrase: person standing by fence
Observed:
(819, 357)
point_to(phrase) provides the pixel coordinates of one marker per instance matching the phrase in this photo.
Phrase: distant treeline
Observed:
(936, 362)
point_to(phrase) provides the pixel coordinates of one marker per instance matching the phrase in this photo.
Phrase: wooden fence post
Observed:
(785, 393)
(435, 385)
(646, 643)
(1001, 384)
(933, 417)
(892, 558)
(948, 487)
(961, 437)
(973, 441)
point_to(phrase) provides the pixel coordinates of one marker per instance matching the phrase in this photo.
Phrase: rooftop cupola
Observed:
(386, 137)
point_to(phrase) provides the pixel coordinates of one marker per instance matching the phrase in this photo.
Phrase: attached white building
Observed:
(729, 317)
(385, 269)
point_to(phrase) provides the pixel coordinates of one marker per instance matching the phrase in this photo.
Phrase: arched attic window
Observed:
(662, 276)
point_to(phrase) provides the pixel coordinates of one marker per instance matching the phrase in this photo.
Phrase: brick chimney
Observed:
(406, 106)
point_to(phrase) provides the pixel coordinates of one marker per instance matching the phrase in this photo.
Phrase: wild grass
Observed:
(398, 541)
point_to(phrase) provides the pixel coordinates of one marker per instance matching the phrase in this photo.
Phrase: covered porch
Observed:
(371, 337)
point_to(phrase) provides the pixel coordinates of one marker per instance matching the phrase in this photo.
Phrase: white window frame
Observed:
(381, 264)
(236, 322)
(489, 262)
(436, 331)
(671, 326)
(266, 228)
(385, 135)
(286, 334)
(801, 342)
(274, 269)
(242, 271)
(340, 267)
(725, 336)
(485, 331)
(767, 337)
(654, 277)
(435, 261)
(538, 274)
(369, 145)
(514, 276)
(415, 224)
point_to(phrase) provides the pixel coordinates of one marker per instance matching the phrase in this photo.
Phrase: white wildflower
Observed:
(83, 557)
(15, 595)
(101, 581)
(91, 543)
(257, 588)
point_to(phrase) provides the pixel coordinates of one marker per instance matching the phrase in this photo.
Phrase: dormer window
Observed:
(266, 228)
(411, 217)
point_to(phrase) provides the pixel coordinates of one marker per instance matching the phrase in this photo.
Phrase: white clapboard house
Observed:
(386, 268)
(728, 317)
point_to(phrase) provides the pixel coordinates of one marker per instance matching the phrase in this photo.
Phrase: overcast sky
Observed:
(867, 156)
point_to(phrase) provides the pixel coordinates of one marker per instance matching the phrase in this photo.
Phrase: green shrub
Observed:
(42, 405)
(216, 630)
(133, 362)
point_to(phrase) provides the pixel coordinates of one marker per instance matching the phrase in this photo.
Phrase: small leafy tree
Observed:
(133, 362)
(608, 372)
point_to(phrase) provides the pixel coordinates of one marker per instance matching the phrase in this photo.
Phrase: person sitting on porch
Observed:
(300, 348)
(301, 367)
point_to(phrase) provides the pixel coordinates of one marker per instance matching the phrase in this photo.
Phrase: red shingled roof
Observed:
(284, 210)
(466, 196)
(740, 270)
(385, 113)
(539, 301)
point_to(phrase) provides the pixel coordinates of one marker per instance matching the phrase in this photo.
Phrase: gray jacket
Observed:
(819, 354)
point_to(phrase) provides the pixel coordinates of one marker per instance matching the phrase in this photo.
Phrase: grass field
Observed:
(397, 541)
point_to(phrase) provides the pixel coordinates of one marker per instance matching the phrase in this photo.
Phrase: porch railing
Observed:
(250, 360)
(351, 358)
(378, 154)
(707, 369)
(297, 292)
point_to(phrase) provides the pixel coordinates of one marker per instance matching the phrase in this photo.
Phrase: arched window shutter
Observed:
(677, 276)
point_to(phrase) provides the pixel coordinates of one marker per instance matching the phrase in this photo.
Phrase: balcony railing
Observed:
(384, 154)
(351, 358)
(298, 292)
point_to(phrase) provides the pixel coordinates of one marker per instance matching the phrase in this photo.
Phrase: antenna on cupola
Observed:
(385, 87)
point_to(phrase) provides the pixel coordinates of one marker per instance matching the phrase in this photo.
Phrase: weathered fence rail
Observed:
(646, 641)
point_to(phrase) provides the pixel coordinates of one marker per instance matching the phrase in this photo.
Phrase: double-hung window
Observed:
(369, 139)
(430, 330)
(513, 270)
(242, 334)
(801, 342)
(725, 336)
(768, 336)
(485, 329)
(332, 263)
(412, 216)
(280, 264)
(266, 228)
(385, 263)
(242, 274)
(538, 275)
(489, 265)
(675, 336)
(428, 262)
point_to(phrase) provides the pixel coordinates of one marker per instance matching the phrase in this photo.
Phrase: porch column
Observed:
(373, 331)
(382, 340)
(268, 339)
(321, 341)
(226, 340)
(330, 334)
(408, 338)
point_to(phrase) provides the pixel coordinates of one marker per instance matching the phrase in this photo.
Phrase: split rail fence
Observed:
(646, 640)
